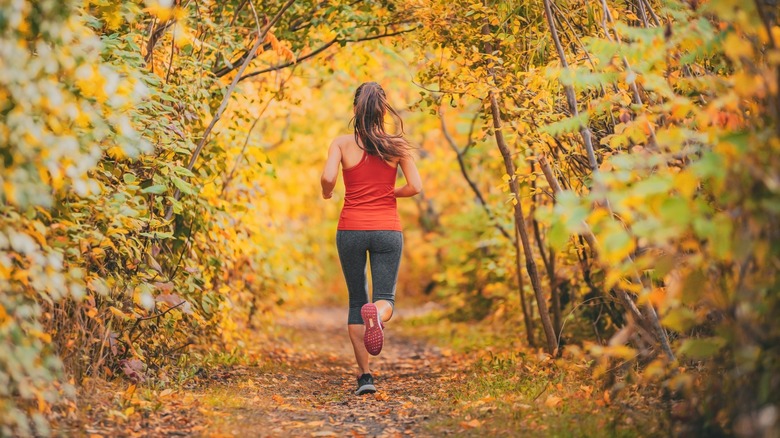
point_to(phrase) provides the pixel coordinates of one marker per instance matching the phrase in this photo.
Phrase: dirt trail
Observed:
(305, 381)
(308, 388)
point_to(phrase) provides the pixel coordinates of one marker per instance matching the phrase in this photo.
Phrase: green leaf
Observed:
(680, 319)
(128, 178)
(722, 241)
(157, 189)
(182, 185)
(617, 241)
(583, 78)
(158, 235)
(167, 98)
(183, 171)
(710, 165)
(701, 348)
(676, 211)
(178, 207)
(568, 125)
(652, 186)
(557, 236)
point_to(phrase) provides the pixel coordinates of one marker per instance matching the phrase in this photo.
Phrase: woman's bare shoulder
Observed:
(344, 139)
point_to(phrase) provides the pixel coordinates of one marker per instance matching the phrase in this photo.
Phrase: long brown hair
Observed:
(371, 106)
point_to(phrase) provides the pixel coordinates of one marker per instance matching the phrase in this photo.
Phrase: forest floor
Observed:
(304, 386)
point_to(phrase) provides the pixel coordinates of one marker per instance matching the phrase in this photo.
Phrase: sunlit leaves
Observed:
(702, 348)
(567, 125)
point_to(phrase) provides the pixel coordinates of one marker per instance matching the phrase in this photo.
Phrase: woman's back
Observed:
(369, 201)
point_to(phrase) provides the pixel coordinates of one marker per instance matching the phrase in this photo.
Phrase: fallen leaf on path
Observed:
(381, 396)
(129, 392)
(278, 398)
(587, 389)
(552, 401)
(324, 433)
(133, 369)
(473, 424)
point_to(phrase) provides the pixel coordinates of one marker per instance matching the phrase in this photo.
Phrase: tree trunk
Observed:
(530, 264)
(527, 315)
(549, 264)
(520, 229)
(571, 96)
(649, 321)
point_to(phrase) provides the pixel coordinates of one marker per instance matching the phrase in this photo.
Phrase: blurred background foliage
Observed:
(159, 196)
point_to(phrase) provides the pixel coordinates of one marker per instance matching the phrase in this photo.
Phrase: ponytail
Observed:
(371, 106)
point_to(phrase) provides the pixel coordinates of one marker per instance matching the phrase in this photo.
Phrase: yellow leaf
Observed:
(686, 183)
(130, 391)
(45, 337)
(747, 85)
(473, 424)
(37, 236)
(42, 404)
(736, 47)
(118, 312)
(552, 401)
(163, 13)
(621, 351)
(587, 389)
(10, 192)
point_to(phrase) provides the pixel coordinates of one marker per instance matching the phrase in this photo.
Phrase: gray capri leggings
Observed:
(384, 249)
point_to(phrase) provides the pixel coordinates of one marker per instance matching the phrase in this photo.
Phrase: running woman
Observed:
(369, 227)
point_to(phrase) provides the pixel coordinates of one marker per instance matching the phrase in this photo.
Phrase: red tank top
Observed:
(369, 202)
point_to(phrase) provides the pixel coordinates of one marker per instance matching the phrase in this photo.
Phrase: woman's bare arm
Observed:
(331, 171)
(413, 182)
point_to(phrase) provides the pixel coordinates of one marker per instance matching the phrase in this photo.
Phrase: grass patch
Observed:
(223, 398)
(462, 337)
(503, 388)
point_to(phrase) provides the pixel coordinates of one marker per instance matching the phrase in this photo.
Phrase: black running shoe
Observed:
(365, 385)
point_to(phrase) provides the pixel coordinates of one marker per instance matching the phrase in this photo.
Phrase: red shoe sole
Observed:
(374, 337)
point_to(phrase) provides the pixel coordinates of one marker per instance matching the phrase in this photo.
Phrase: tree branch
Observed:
(634, 88)
(155, 35)
(322, 49)
(571, 96)
(474, 188)
(653, 15)
(226, 99)
(240, 156)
